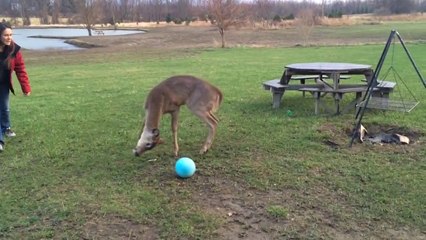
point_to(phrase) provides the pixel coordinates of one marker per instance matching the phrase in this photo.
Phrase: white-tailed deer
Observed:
(202, 99)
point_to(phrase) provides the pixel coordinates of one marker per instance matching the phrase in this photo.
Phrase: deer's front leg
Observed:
(175, 117)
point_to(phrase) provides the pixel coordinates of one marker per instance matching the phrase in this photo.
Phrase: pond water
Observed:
(22, 36)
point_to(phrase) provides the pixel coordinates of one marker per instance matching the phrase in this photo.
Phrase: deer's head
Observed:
(147, 141)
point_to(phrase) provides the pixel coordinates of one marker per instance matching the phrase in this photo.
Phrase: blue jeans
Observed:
(4, 110)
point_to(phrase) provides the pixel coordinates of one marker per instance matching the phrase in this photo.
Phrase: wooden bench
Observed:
(99, 32)
(383, 89)
(303, 78)
(315, 78)
(380, 98)
(318, 92)
(277, 89)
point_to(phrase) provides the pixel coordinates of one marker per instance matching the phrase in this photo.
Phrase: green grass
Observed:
(408, 30)
(277, 211)
(72, 163)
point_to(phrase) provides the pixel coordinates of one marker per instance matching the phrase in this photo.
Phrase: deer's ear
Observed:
(156, 132)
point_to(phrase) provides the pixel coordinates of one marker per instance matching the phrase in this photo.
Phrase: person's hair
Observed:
(7, 49)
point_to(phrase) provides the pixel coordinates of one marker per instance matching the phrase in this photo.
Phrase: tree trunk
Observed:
(89, 30)
(222, 35)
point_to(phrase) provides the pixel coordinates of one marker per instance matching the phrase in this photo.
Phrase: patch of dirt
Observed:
(117, 228)
(244, 213)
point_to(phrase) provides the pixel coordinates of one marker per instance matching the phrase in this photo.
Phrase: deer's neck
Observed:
(153, 112)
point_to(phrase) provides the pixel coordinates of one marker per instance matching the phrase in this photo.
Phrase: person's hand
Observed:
(27, 94)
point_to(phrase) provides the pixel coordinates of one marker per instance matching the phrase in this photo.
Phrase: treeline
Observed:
(178, 11)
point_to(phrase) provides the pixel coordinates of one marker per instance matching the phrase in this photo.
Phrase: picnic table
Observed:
(324, 72)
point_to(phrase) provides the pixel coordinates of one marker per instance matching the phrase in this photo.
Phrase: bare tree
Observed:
(42, 9)
(24, 13)
(264, 9)
(5, 7)
(323, 4)
(158, 10)
(305, 22)
(56, 10)
(401, 6)
(183, 9)
(136, 11)
(89, 13)
(110, 9)
(224, 14)
(123, 12)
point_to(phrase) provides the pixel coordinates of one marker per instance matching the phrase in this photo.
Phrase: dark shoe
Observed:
(9, 133)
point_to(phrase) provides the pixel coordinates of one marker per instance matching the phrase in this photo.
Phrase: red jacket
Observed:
(17, 64)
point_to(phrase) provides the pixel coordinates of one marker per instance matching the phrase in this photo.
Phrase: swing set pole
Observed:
(376, 74)
(367, 95)
(411, 59)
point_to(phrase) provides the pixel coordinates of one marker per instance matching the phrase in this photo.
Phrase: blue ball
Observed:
(185, 167)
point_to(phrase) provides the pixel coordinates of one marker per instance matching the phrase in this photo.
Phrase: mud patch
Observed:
(117, 228)
(242, 212)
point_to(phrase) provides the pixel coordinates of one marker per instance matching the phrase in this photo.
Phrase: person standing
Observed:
(11, 60)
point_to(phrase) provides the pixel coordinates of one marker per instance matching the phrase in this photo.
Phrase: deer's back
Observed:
(184, 89)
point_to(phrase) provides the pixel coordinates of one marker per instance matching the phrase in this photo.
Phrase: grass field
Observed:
(70, 172)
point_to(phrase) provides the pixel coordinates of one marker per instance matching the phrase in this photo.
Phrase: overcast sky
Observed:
(315, 1)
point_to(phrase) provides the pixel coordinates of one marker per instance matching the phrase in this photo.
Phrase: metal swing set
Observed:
(371, 101)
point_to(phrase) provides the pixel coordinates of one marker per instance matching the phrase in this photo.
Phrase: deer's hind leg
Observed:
(211, 122)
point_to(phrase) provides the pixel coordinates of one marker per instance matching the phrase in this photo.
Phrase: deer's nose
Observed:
(135, 152)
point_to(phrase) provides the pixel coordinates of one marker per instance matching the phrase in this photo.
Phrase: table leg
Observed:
(369, 76)
(336, 78)
(285, 78)
(317, 96)
(319, 103)
(337, 98)
(336, 103)
(276, 98)
(302, 81)
(353, 103)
